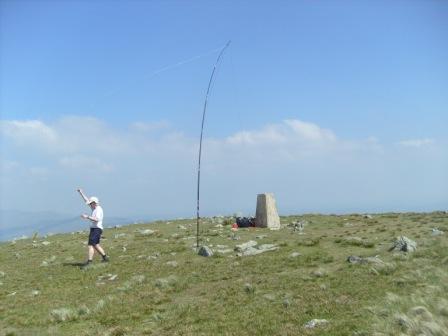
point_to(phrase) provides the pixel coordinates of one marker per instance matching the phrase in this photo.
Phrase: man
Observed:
(96, 228)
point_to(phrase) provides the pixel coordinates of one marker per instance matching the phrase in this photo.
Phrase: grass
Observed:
(142, 292)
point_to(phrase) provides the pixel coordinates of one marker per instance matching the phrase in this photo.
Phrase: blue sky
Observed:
(334, 106)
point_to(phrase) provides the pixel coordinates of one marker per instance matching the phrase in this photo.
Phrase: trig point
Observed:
(267, 215)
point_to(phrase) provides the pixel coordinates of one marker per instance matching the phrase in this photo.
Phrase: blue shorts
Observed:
(94, 236)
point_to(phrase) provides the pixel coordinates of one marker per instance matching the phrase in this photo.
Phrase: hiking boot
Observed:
(105, 259)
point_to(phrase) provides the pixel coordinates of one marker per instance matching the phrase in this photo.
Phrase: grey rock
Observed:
(319, 273)
(436, 232)
(295, 255)
(244, 246)
(63, 314)
(250, 251)
(315, 323)
(165, 282)
(269, 297)
(248, 288)
(404, 244)
(249, 248)
(367, 260)
(205, 251)
(146, 232)
(223, 251)
(172, 263)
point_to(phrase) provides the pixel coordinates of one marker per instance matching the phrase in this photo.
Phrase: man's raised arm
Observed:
(84, 197)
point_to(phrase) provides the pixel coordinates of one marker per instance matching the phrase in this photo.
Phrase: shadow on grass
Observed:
(74, 264)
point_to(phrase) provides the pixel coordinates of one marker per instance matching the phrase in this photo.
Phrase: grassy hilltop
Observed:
(156, 284)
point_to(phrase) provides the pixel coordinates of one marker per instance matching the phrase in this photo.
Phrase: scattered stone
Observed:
(223, 251)
(205, 251)
(165, 282)
(146, 232)
(368, 216)
(295, 255)
(315, 323)
(244, 246)
(119, 235)
(172, 263)
(298, 226)
(63, 314)
(248, 288)
(181, 227)
(48, 261)
(361, 260)
(2, 274)
(113, 277)
(46, 243)
(12, 294)
(403, 244)
(267, 247)
(286, 303)
(261, 236)
(35, 292)
(436, 232)
(269, 297)
(249, 248)
(319, 273)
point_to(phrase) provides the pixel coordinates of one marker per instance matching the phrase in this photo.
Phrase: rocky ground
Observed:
(379, 274)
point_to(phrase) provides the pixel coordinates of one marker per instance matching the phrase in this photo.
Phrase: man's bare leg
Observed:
(91, 252)
(101, 252)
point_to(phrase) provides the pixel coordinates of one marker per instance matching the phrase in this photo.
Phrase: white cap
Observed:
(93, 199)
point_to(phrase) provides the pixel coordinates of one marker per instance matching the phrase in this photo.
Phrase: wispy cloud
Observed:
(417, 143)
(305, 164)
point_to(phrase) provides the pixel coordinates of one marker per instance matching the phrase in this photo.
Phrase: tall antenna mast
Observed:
(200, 140)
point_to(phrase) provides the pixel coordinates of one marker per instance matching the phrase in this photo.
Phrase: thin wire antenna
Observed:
(200, 139)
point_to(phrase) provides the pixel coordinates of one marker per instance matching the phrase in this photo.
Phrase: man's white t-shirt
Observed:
(98, 214)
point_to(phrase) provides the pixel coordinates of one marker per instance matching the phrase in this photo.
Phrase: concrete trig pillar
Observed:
(267, 215)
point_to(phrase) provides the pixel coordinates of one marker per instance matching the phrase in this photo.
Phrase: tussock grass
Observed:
(140, 293)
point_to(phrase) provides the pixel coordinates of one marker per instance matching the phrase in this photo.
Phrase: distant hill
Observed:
(14, 223)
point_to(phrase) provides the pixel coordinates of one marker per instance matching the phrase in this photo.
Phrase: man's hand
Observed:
(84, 216)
